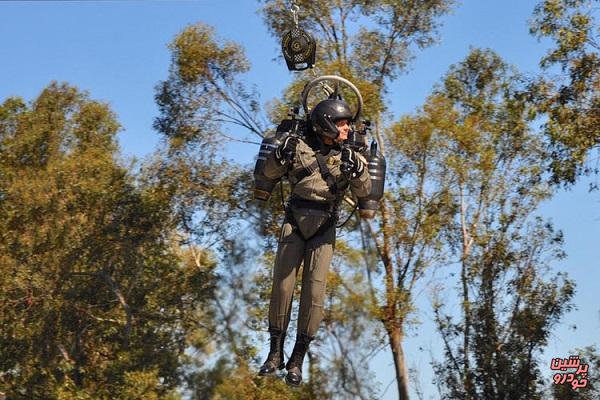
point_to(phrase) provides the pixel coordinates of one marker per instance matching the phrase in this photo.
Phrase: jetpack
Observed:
(300, 126)
(299, 49)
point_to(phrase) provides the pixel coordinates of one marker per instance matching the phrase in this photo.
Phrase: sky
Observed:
(117, 51)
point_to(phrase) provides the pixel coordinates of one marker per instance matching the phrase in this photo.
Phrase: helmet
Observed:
(324, 116)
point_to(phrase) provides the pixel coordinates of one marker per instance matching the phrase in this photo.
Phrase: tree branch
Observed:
(117, 291)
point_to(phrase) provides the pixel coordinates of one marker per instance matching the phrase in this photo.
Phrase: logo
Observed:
(332, 162)
(577, 380)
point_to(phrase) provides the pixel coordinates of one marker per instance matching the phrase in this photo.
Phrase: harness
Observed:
(335, 186)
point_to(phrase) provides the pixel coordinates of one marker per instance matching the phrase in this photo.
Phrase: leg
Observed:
(318, 255)
(287, 261)
(317, 259)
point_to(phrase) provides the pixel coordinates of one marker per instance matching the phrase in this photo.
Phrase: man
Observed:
(319, 171)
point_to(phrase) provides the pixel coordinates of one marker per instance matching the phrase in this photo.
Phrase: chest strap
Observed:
(326, 174)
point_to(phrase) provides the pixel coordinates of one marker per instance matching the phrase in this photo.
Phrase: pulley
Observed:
(298, 46)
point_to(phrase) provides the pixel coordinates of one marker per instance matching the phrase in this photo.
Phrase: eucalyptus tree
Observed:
(203, 94)
(493, 163)
(98, 301)
(568, 93)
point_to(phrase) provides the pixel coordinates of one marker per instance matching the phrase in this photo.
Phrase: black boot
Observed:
(294, 364)
(275, 357)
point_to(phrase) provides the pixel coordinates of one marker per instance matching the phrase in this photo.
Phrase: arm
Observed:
(361, 185)
(355, 167)
(280, 159)
(273, 168)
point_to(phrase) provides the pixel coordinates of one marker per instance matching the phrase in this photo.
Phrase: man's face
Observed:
(343, 126)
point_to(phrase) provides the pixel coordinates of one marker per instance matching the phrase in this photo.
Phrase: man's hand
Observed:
(351, 166)
(286, 150)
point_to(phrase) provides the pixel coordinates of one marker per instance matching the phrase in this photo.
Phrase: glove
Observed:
(351, 166)
(286, 150)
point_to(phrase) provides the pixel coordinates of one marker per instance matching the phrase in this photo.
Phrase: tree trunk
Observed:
(399, 362)
(391, 320)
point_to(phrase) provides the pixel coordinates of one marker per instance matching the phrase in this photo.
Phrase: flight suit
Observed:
(308, 231)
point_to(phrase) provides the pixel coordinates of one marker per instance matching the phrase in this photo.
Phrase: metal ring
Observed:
(309, 86)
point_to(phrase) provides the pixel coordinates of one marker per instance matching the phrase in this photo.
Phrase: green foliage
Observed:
(571, 100)
(244, 384)
(474, 132)
(203, 91)
(202, 94)
(98, 302)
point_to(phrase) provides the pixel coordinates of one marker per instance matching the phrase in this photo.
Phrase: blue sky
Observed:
(117, 50)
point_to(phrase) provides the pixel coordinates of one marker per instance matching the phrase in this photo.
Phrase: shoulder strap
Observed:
(325, 173)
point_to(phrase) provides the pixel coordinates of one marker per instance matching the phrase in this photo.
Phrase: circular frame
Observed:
(310, 85)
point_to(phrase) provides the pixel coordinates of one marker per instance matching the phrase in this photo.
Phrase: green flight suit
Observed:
(310, 237)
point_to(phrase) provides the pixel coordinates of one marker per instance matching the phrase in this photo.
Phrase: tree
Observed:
(98, 300)
(479, 121)
(571, 99)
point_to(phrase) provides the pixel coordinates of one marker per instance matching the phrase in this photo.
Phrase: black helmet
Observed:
(326, 114)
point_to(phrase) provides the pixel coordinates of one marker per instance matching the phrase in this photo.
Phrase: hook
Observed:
(294, 10)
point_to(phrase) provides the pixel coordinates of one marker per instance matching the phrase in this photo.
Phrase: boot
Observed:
(294, 364)
(275, 357)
